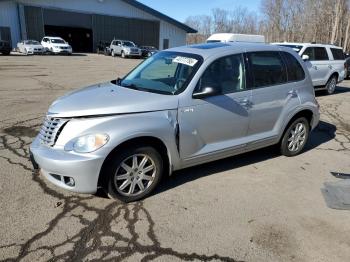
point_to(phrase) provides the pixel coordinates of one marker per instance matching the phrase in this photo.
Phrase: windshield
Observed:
(57, 41)
(127, 43)
(165, 73)
(296, 48)
(31, 42)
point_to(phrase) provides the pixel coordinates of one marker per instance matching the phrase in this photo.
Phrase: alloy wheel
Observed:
(135, 175)
(297, 137)
(332, 85)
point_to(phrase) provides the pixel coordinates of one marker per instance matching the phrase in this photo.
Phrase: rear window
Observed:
(267, 68)
(295, 71)
(337, 54)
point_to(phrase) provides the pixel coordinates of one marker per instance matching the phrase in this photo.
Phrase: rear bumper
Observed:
(58, 166)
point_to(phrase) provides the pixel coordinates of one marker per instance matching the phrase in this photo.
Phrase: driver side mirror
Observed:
(205, 92)
(305, 57)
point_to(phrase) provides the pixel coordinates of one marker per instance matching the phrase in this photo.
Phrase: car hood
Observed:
(109, 99)
(65, 45)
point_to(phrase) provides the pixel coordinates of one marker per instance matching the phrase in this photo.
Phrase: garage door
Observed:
(34, 22)
(142, 32)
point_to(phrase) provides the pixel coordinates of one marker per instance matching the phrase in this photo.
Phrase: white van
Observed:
(227, 37)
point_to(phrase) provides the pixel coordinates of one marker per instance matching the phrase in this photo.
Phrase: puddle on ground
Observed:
(19, 131)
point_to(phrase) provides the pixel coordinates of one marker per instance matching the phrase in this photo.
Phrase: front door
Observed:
(216, 125)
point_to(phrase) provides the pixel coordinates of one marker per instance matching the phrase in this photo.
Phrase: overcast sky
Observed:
(181, 9)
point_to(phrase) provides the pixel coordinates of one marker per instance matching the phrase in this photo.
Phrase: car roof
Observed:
(53, 37)
(210, 49)
(307, 44)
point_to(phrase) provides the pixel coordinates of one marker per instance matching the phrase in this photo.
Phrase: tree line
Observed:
(320, 21)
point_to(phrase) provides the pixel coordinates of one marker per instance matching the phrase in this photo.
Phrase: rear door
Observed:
(337, 63)
(274, 93)
(318, 65)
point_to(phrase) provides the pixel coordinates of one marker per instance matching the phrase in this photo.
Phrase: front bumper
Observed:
(58, 166)
(133, 54)
(62, 51)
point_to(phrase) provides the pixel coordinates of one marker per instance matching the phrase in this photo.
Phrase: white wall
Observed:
(176, 35)
(9, 17)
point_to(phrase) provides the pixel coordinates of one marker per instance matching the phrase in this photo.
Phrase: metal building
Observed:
(84, 23)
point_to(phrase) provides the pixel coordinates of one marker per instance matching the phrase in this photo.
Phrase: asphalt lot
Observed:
(255, 207)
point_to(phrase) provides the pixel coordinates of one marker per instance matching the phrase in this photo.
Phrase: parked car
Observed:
(148, 51)
(347, 68)
(326, 63)
(228, 37)
(56, 45)
(30, 47)
(179, 108)
(5, 47)
(125, 49)
(103, 47)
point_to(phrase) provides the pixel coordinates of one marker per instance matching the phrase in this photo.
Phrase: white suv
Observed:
(326, 63)
(56, 45)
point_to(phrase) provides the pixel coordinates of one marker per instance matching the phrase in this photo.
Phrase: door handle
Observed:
(330, 67)
(293, 93)
(315, 67)
(245, 102)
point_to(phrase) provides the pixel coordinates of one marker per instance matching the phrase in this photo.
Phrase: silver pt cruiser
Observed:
(179, 108)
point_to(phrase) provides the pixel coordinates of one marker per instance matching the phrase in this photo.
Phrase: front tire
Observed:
(134, 173)
(123, 54)
(331, 85)
(113, 54)
(295, 137)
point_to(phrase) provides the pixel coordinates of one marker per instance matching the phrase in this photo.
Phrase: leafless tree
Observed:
(323, 21)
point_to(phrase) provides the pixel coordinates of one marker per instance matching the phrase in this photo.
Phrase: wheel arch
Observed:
(307, 113)
(154, 142)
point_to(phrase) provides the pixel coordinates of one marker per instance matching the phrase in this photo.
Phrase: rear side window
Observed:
(337, 54)
(267, 68)
(295, 71)
(316, 53)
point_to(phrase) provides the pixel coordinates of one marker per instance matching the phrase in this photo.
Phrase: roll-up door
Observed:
(34, 22)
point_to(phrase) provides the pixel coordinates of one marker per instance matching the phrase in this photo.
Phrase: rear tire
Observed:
(130, 180)
(331, 85)
(295, 137)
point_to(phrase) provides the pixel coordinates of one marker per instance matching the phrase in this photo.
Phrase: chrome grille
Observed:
(50, 130)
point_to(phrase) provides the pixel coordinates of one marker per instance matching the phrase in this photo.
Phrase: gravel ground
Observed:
(258, 206)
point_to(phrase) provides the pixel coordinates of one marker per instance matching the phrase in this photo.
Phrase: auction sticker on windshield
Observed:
(185, 60)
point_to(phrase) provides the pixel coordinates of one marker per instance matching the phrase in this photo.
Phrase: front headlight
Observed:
(87, 143)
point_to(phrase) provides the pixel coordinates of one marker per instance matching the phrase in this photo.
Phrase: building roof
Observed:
(160, 15)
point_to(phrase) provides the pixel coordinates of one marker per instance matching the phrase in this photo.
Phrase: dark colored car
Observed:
(148, 51)
(103, 48)
(347, 68)
(5, 47)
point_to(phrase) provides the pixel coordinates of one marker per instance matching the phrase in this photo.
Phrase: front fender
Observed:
(121, 128)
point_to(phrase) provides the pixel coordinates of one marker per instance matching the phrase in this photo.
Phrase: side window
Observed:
(321, 54)
(295, 71)
(337, 54)
(267, 68)
(118, 43)
(310, 52)
(226, 75)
